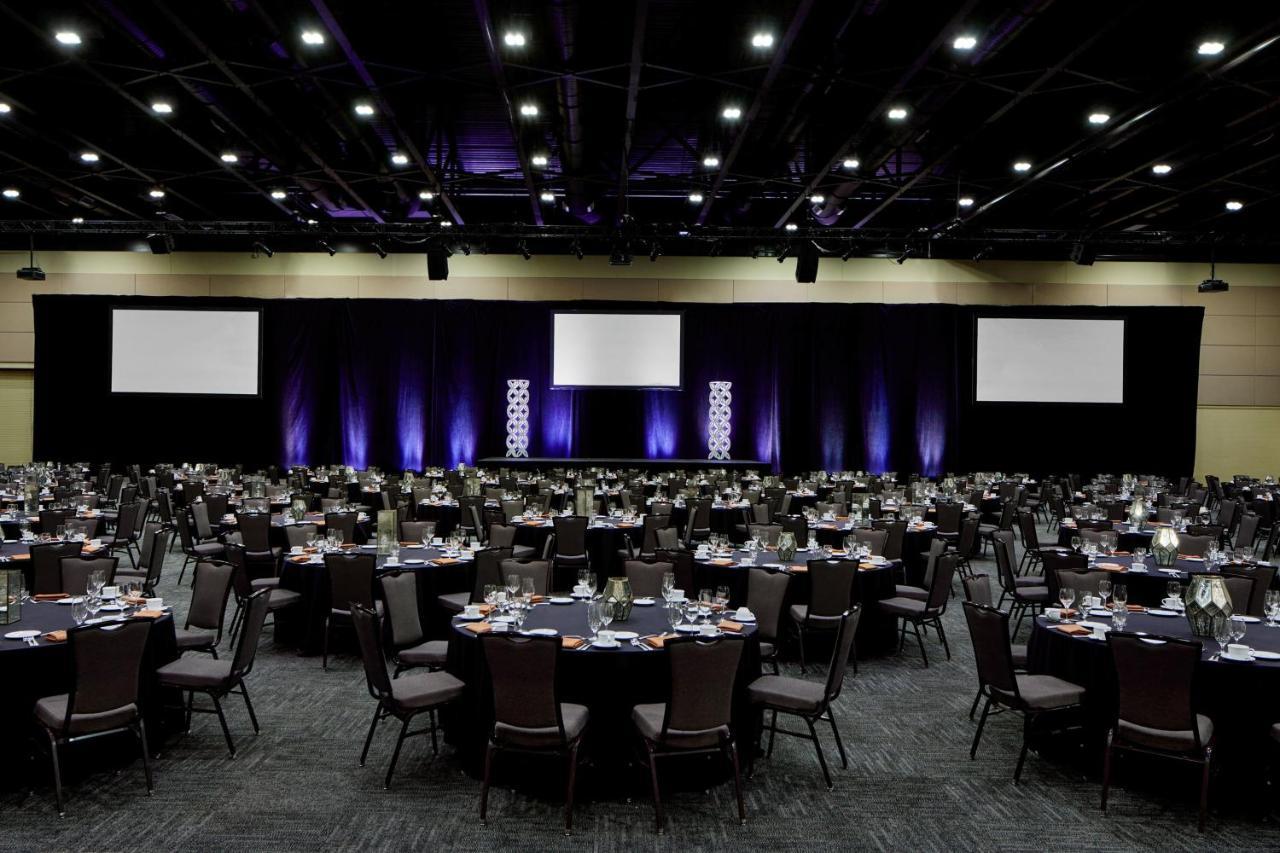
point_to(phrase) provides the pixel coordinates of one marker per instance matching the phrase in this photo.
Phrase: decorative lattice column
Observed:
(518, 417)
(719, 415)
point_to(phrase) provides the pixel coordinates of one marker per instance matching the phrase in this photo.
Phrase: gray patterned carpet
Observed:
(910, 784)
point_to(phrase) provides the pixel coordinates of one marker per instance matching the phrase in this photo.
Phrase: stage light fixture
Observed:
(1234, 205)
(156, 193)
(714, 250)
(817, 198)
(77, 220)
(377, 248)
(529, 110)
(907, 252)
(711, 161)
(426, 195)
(512, 38)
(5, 108)
(161, 244)
(965, 201)
(262, 248)
(1210, 48)
(539, 160)
(446, 223)
(784, 249)
(1099, 118)
(1022, 166)
(848, 253)
(965, 42)
(311, 222)
(89, 157)
(11, 192)
(850, 163)
(762, 40)
(791, 226)
(897, 113)
(695, 198)
(523, 248)
(312, 37)
(620, 255)
(230, 157)
(363, 109)
(162, 108)
(576, 248)
(1083, 254)
(731, 113)
(983, 252)
(323, 244)
(548, 197)
(70, 38)
(1161, 169)
(400, 159)
(655, 250)
(278, 195)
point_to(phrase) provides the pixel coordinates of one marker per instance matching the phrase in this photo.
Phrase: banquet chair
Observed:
(810, 701)
(106, 668)
(1032, 696)
(350, 581)
(512, 509)
(661, 507)
(206, 614)
(52, 519)
(1092, 537)
(86, 527)
(921, 593)
(402, 698)
(697, 719)
(1246, 531)
(1164, 515)
(1032, 593)
(683, 565)
(216, 505)
(493, 493)
(421, 494)
(1078, 580)
(648, 537)
(1240, 586)
(528, 716)
(151, 553)
(966, 544)
(410, 647)
(569, 547)
(470, 514)
(417, 531)
(242, 587)
(830, 593)
(504, 536)
(298, 535)
(875, 539)
(767, 534)
(646, 576)
(345, 522)
(986, 531)
(46, 565)
(75, 572)
(977, 589)
(1155, 714)
(797, 525)
(766, 598)
(1194, 546)
(1032, 550)
(330, 504)
(539, 570)
(897, 535)
(125, 536)
(928, 613)
(488, 562)
(756, 513)
(255, 533)
(698, 528)
(194, 550)
(948, 519)
(218, 679)
(1263, 577)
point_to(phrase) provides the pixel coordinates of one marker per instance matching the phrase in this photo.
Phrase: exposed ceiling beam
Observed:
(622, 208)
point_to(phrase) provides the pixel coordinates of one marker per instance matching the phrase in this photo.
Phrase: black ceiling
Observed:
(630, 97)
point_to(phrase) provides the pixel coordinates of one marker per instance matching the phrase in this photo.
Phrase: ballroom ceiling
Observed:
(1047, 127)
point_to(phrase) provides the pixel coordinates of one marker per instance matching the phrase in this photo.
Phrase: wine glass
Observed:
(513, 585)
(594, 617)
(80, 611)
(1221, 633)
(527, 590)
(1174, 590)
(1104, 591)
(1075, 543)
(1066, 596)
(675, 615)
(606, 613)
(92, 604)
(519, 611)
(1237, 629)
(668, 584)
(1120, 596)
(1270, 606)
(722, 596)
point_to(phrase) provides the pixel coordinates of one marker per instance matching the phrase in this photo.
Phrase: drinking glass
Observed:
(1075, 543)
(594, 619)
(722, 596)
(1066, 595)
(1270, 606)
(1119, 617)
(606, 613)
(426, 536)
(1120, 596)
(675, 615)
(591, 581)
(526, 589)
(668, 584)
(1237, 629)
(80, 611)
(1104, 591)
(1174, 590)
(519, 612)
(513, 585)
(582, 577)
(1222, 633)
(92, 604)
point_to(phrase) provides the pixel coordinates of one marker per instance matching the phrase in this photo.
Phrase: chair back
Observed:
(76, 570)
(199, 518)
(649, 538)
(766, 596)
(488, 563)
(875, 539)
(660, 507)
(940, 586)
(539, 570)
(767, 533)
(209, 593)
(107, 664)
(217, 505)
(989, 632)
(350, 579)
(1154, 682)
(977, 588)
(512, 509)
(1247, 530)
(1194, 546)
(830, 586)
(88, 527)
(840, 655)
(683, 562)
(250, 633)
(702, 677)
(700, 516)
(522, 672)
(255, 530)
(502, 536)
(46, 565)
(1080, 581)
(968, 539)
(897, 534)
(369, 635)
(400, 595)
(52, 519)
(1240, 588)
(298, 535)
(344, 521)
(571, 535)
(759, 513)
(164, 505)
(417, 531)
(1030, 531)
(949, 516)
(646, 576)
(1004, 563)
(158, 536)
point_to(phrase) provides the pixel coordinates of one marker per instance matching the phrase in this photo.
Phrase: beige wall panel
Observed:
(180, 284)
(1237, 441)
(1267, 301)
(535, 289)
(322, 287)
(396, 287)
(1071, 294)
(1266, 392)
(695, 290)
(909, 292)
(18, 346)
(1226, 361)
(994, 293)
(847, 291)
(1139, 294)
(91, 283)
(258, 286)
(640, 289)
(1266, 330)
(16, 317)
(1228, 331)
(462, 288)
(778, 290)
(17, 393)
(1237, 300)
(1225, 391)
(1268, 361)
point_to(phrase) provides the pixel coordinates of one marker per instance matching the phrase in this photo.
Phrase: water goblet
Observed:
(722, 596)
(92, 604)
(668, 584)
(1075, 543)
(1119, 617)
(1066, 595)
(1237, 629)
(80, 611)
(527, 590)
(1174, 590)
(606, 613)
(1120, 596)
(594, 618)
(513, 585)
(675, 615)
(1104, 591)
(1222, 633)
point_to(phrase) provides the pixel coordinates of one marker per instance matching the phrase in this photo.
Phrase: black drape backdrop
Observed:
(407, 383)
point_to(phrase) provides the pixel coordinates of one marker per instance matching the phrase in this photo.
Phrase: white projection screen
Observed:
(1049, 360)
(174, 351)
(598, 350)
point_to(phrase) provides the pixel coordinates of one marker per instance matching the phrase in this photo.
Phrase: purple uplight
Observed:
(295, 417)
(355, 427)
(768, 433)
(875, 424)
(462, 437)
(558, 421)
(411, 415)
(660, 418)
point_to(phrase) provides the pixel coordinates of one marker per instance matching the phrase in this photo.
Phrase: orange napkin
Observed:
(1180, 557)
(409, 544)
(20, 557)
(1120, 553)
(446, 561)
(537, 599)
(1073, 630)
(658, 641)
(348, 545)
(624, 524)
(570, 642)
(50, 596)
(310, 550)
(721, 561)
(799, 568)
(301, 558)
(1135, 608)
(1069, 612)
(1110, 567)
(730, 625)
(148, 614)
(867, 567)
(133, 600)
(838, 552)
(478, 627)
(56, 637)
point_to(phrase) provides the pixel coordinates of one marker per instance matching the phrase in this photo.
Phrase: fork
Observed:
(31, 641)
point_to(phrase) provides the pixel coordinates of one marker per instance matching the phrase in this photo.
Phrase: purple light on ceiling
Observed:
(348, 213)
(660, 417)
(278, 49)
(133, 29)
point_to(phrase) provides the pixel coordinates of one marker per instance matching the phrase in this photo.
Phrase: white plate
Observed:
(503, 620)
(1098, 611)
(643, 602)
(601, 644)
(541, 632)
(1261, 655)
(21, 635)
(1158, 612)
(1249, 659)
(73, 600)
(414, 562)
(111, 608)
(462, 617)
(560, 599)
(390, 565)
(1248, 620)
(624, 636)
(736, 618)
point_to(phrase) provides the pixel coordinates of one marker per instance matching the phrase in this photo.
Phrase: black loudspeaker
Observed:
(806, 263)
(437, 265)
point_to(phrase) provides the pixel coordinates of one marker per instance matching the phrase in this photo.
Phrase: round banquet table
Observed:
(608, 681)
(877, 631)
(1128, 537)
(915, 543)
(33, 672)
(279, 521)
(1242, 699)
(1150, 587)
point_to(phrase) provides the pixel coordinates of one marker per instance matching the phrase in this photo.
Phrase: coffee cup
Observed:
(296, 549)
(707, 630)
(1053, 614)
(111, 592)
(744, 613)
(1172, 603)
(1239, 651)
(607, 637)
(471, 611)
(155, 603)
(1100, 632)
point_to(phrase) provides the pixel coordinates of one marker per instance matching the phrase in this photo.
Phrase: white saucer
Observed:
(465, 618)
(582, 596)
(687, 629)
(390, 565)
(1249, 659)
(73, 600)
(414, 562)
(560, 599)
(21, 635)
(624, 636)
(1098, 611)
(601, 644)
(736, 618)
(1248, 620)
(1261, 655)
(1160, 612)
(643, 602)
(541, 632)
(110, 608)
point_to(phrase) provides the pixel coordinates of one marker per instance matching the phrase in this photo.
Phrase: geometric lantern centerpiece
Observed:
(1207, 601)
(719, 417)
(11, 584)
(1164, 546)
(518, 418)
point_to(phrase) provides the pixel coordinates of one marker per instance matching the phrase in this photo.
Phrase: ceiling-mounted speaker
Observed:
(806, 262)
(437, 265)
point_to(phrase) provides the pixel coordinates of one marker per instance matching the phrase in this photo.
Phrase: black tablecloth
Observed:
(1151, 587)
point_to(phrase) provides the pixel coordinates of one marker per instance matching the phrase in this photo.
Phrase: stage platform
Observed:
(612, 462)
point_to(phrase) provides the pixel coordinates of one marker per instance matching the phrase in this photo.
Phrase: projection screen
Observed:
(598, 350)
(1049, 360)
(172, 351)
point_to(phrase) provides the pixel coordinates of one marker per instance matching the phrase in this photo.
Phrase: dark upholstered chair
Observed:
(646, 576)
(528, 715)
(830, 593)
(106, 666)
(243, 589)
(570, 540)
(698, 716)
(76, 570)
(193, 549)
(809, 700)
(1030, 695)
(410, 646)
(350, 582)
(539, 570)
(211, 586)
(345, 522)
(766, 596)
(977, 589)
(874, 539)
(1154, 712)
(219, 678)
(921, 593)
(1194, 546)
(928, 613)
(488, 563)
(1243, 589)
(417, 531)
(46, 565)
(402, 698)
(504, 536)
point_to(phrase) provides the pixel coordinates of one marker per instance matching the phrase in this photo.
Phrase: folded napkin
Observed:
(1110, 567)
(624, 524)
(867, 567)
(446, 561)
(300, 558)
(720, 561)
(730, 625)
(410, 544)
(1073, 630)
(148, 614)
(1180, 557)
(1135, 608)
(1068, 612)
(659, 640)
(571, 642)
(55, 637)
(348, 545)
(537, 599)
(310, 550)
(50, 596)
(20, 557)
(799, 568)
(133, 600)
(1120, 554)
(838, 552)
(478, 627)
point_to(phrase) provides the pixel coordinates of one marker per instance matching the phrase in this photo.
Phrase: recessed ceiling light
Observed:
(1233, 205)
(529, 110)
(513, 39)
(77, 220)
(817, 198)
(1210, 48)
(1022, 166)
(851, 163)
(230, 157)
(791, 226)
(731, 113)
(1161, 169)
(311, 222)
(89, 156)
(4, 108)
(11, 192)
(156, 193)
(548, 197)
(965, 201)
(426, 195)
(695, 198)
(965, 42)
(67, 37)
(363, 109)
(538, 160)
(400, 159)
(897, 113)
(161, 107)
(1099, 118)
(279, 194)
(445, 223)
(711, 161)
(762, 40)
(312, 37)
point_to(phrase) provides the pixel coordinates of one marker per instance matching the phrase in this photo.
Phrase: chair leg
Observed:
(976, 698)
(942, 635)
(1022, 753)
(377, 717)
(831, 717)
(222, 718)
(657, 795)
(146, 754)
(253, 718)
(395, 755)
(183, 570)
(1106, 770)
(1204, 785)
(800, 635)
(435, 748)
(324, 660)
(977, 737)
(737, 782)
(569, 786)
(484, 787)
(773, 732)
(822, 759)
(920, 642)
(57, 771)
